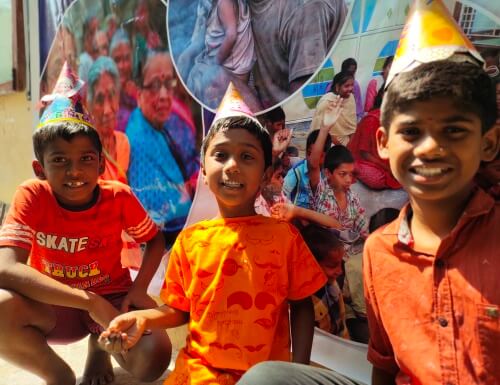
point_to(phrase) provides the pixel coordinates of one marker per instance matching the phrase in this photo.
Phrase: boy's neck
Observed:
(236, 212)
(432, 221)
(86, 206)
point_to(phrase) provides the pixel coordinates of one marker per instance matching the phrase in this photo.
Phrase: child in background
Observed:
(329, 308)
(60, 273)
(232, 277)
(271, 190)
(341, 127)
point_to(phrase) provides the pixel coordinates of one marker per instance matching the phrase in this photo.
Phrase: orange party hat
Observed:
(431, 34)
(233, 105)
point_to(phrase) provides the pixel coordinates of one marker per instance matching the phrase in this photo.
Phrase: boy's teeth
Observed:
(232, 184)
(75, 184)
(428, 171)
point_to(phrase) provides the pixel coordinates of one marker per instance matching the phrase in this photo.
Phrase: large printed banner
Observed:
(155, 72)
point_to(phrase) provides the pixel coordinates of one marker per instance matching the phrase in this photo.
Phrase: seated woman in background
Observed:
(371, 170)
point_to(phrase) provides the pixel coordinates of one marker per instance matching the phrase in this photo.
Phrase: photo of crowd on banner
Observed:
(267, 49)
(147, 121)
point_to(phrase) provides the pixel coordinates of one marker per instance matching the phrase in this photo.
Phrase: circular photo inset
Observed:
(267, 48)
(149, 125)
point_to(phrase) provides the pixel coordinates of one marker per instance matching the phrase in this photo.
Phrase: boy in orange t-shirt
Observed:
(60, 273)
(232, 278)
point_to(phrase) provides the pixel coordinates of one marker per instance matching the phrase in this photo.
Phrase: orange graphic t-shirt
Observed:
(234, 277)
(79, 248)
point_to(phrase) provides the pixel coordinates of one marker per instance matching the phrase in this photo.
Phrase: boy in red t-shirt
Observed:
(232, 278)
(60, 273)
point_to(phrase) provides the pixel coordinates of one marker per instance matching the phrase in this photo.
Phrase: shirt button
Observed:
(443, 322)
(439, 263)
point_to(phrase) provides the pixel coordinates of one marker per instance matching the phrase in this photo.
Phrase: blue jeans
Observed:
(285, 373)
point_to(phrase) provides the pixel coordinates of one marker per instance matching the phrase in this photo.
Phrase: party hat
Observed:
(431, 34)
(232, 105)
(65, 101)
(67, 85)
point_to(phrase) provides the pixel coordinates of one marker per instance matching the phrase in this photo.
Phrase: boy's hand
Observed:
(281, 140)
(331, 112)
(123, 332)
(137, 299)
(285, 211)
(100, 310)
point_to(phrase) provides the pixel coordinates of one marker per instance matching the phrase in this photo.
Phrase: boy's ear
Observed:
(382, 139)
(203, 174)
(490, 145)
(38, 169)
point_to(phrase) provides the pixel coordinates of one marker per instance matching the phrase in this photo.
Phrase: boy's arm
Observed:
(227, 15)
(289, 211)
(16, 276)
(381, 377)
(131, 326)
(333, 109)
(302, 328)
(137, 295)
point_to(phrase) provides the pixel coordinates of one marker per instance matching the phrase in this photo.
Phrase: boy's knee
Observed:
(151, 356)
(18, 311)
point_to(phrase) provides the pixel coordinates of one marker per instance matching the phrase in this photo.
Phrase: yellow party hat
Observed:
(431, 34)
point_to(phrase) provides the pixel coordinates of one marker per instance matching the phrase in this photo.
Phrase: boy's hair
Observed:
(292, 151)
(275, 115)
(336, 156)
(45, 135)
(311, 139)
(321, 241)
(340, 79)
(465, 84)
(382, 217)
(243, 122)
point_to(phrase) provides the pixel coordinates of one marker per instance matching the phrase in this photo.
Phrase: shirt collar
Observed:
(479, 204)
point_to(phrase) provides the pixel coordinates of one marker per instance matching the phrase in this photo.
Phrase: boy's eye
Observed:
(88, 158)
(247, 156)
(455, 131)
(219, 155)
(58, 159)
(409, 131)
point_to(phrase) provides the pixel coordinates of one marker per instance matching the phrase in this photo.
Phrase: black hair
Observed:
(465, 84)
(48, 133)
(382, 217)
(292, 151)
(311, 139)
(388, 61)
(340, 79)
(379, 98)
(336, 156)
(243, 122)
(275, 115)
(347, 63)
(321, 241)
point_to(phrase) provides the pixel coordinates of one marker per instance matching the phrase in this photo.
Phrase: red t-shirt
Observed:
(81, 249)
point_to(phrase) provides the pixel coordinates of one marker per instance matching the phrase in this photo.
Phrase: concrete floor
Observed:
(75, 354)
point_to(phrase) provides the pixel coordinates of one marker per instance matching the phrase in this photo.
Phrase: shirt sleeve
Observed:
(18, 228)
(173, 292)
(289, 183)
(305, 276)
(137, 223)
(380, 352)
(360, 222)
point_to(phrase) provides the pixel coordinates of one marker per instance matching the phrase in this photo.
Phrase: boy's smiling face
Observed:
(434, 149)
(233, 170)
(71, 169)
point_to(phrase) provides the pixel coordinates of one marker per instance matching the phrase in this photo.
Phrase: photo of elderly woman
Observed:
(268, 49)
(149, 125)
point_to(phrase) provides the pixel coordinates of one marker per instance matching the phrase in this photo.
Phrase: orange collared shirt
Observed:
(435, 319)
(234, 277)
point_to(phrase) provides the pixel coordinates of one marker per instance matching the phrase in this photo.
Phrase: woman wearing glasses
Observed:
(164, 160)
